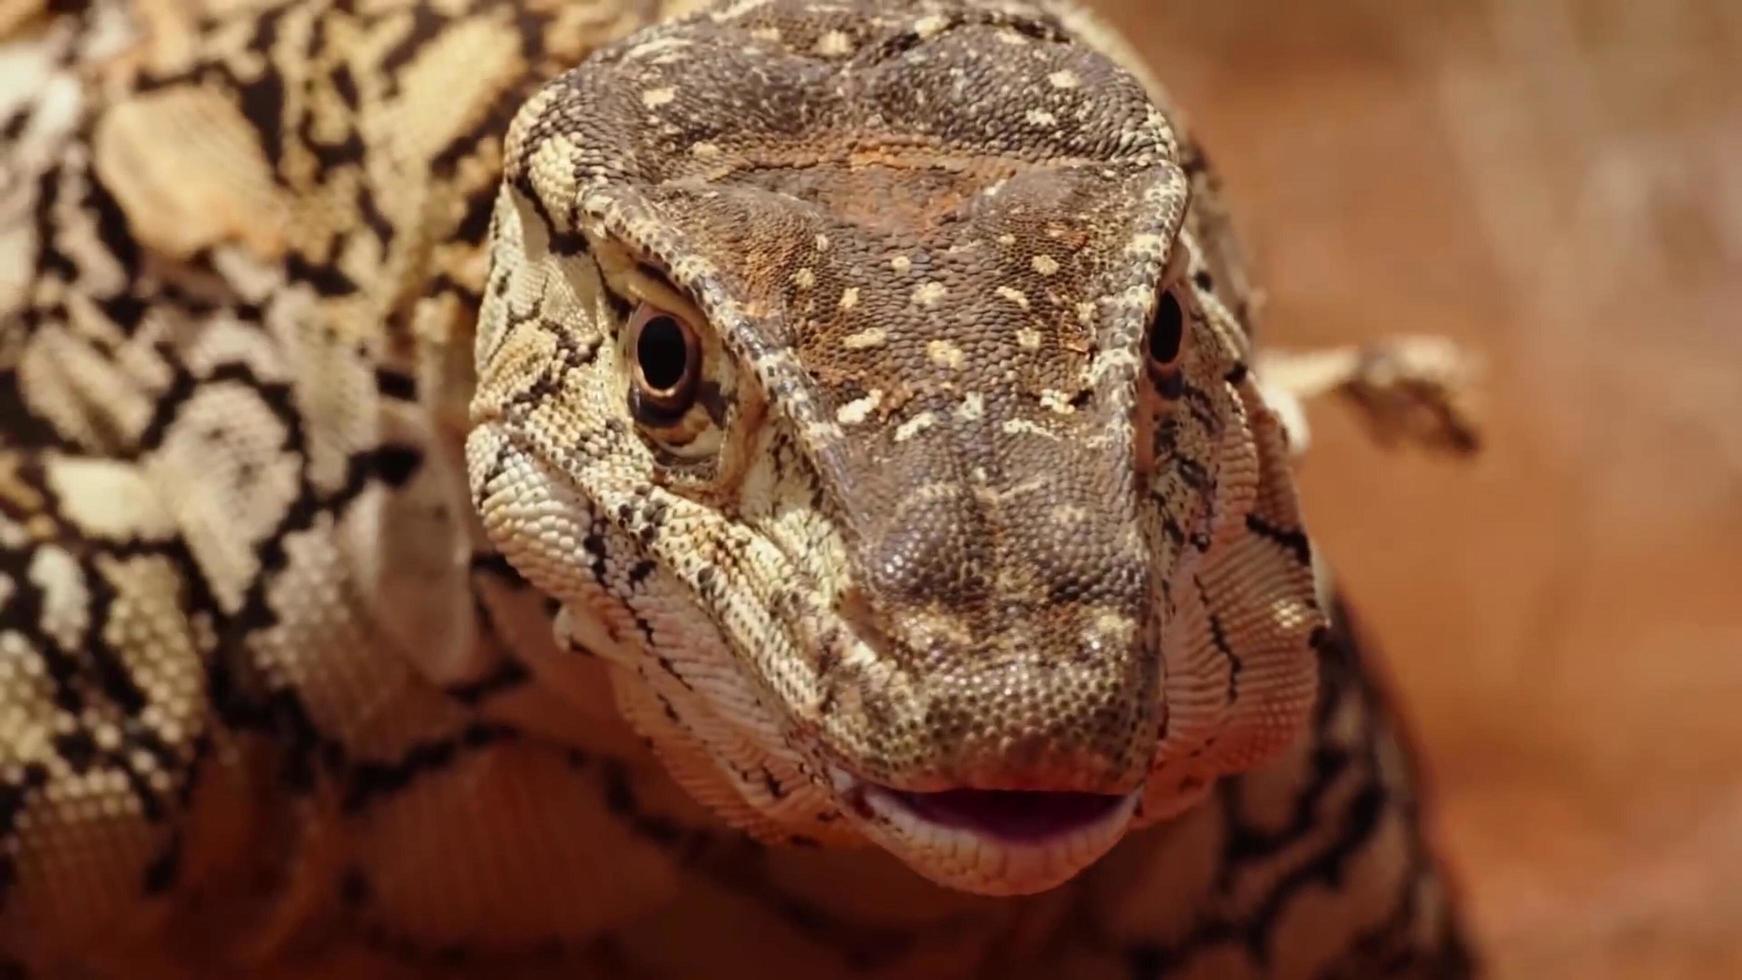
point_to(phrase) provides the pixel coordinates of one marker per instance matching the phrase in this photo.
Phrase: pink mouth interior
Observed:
(1014, 815)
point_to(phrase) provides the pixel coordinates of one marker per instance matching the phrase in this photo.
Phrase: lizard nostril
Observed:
(931, 545)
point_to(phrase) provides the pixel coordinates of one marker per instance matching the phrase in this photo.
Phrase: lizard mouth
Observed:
(1013, 816)
(992, 842)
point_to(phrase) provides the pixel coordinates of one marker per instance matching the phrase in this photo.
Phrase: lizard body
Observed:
(465, 512)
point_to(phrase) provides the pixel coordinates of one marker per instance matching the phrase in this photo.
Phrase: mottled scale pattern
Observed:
(355, 620)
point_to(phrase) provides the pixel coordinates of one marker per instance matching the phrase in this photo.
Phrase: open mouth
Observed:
(992, 842)
(1013, 816)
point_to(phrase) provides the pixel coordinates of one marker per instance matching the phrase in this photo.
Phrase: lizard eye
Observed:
(668, 363)
(1167, 334)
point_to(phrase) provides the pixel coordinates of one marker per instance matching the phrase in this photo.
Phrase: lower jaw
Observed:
(990, 860)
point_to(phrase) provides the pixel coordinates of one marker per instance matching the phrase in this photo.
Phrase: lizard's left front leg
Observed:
(1407, 389)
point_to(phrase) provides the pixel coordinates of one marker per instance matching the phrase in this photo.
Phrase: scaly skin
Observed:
(365, 612)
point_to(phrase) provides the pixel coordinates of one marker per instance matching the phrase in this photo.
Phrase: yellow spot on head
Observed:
(804, 278)
(1041, 117)
(929, 293)
(973, 407)
(864, 339)
(1116, 628)
(944, 354)
(1064, 78)
(914, 426)
(1028, 338)
(849, 297)
(834, 44)
(653, 98)
(859, 409)
(1016, 296)
(1046, 265)
(1056, 400)
(1023, 426)
(901, 263)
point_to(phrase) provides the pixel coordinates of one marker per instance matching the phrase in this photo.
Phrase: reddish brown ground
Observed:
(1557, 183)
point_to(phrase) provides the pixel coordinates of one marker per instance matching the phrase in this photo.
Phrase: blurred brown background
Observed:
(1558, 184)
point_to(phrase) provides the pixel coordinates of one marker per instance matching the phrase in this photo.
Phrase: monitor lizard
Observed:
(614, 488)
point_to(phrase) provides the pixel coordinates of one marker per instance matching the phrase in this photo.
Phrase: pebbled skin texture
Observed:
(353, 622)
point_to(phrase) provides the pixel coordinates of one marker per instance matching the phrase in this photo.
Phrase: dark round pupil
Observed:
(1167, 331)
(661, 352)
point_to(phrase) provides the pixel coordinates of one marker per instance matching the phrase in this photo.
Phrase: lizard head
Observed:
(856, 379)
